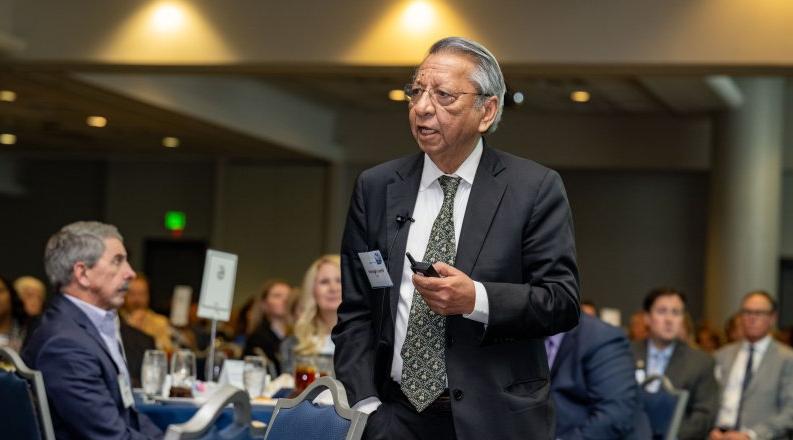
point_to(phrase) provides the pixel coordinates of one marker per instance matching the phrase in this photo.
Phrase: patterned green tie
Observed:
(423, 355)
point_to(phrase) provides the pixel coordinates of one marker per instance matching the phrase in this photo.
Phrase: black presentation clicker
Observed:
(421, 267)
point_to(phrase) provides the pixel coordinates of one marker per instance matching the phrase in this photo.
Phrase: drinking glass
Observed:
(183, 373)
(217, 366)
(153, 371)
(305, 372)
(254, 375)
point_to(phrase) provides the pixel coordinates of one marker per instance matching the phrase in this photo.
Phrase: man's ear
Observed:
(79, 271)
(490, 108)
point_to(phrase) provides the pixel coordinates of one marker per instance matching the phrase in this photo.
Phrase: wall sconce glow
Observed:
(418, 16)
(580, 96)
(396, 95)
(170, 142)
(96, 121)
(167, 17)
(8, 96)
(8, 139)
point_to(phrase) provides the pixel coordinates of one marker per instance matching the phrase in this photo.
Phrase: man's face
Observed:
(757, 319)
(665, 318)
(137, 295)
(447, 130)
(109, 279)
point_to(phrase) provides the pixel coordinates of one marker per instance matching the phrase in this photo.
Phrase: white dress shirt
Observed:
(733, 387)
(428, 205)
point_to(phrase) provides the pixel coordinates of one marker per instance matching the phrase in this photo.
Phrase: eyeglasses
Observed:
(756, 313)
(414, 92)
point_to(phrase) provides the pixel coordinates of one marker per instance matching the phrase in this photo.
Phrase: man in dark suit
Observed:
(593, 384)
(460, 355)
(663, 353)
(77, 345)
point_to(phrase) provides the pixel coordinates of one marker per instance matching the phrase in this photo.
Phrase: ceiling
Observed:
(50, 112)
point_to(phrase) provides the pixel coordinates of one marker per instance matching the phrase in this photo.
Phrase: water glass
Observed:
(217, 366)
(153, 371)
(183, 373)
(254, 375)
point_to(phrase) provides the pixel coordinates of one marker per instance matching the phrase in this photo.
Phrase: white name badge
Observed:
(126, 391)
(375, 269)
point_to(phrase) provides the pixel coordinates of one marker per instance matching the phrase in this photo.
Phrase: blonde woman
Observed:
(319, 299)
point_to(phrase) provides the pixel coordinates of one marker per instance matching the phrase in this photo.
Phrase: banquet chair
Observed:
(26, 413)
(202, 425)
(664, 408)
(300, 418)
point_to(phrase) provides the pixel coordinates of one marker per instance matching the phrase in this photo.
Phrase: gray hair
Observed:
(487, 74)
(75, 242)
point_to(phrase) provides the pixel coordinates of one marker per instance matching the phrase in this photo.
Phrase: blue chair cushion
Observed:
(231, 432)
(660, 408)
(307, 421)
(19, 415)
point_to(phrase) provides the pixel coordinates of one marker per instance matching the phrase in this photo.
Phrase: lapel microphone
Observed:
(401, 220)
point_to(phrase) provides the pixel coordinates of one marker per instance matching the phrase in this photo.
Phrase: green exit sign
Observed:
(175, 220)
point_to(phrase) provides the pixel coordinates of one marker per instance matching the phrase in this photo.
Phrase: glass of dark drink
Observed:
(183, 374)
(305, 372)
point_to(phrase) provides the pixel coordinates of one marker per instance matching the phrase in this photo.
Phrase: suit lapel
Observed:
(730, 355)
(400, 200)
(641, 355)
(85, 323)
(676, 364)
(483, 203)
(763, 369)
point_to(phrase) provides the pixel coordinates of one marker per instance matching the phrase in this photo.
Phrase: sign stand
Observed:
(217, 293)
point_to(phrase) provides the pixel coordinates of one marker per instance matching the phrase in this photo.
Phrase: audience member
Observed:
(732, 329)
(272, 315)
(637, 327)
(593, 385)
(239, 327)
(135, 345)
(137, 314)
(663, 353)
(589, 308)
(756, 376)
(32, 292)
(77, 347)
(687, 333)
(12, 317)
(320, 298)
(708, 339)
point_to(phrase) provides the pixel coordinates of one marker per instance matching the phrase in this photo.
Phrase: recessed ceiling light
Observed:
(580, 96)
(518, 98)
(396, 95)
(8, 96)
(8, 139)
(170, 142)
(96, 121)
(168, 17)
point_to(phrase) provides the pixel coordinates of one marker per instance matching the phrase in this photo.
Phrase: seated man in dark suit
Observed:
(687, 368)
(593, 385)
(77, 346)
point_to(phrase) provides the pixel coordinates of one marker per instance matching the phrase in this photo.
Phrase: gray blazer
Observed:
(768, 401)
(692, 370)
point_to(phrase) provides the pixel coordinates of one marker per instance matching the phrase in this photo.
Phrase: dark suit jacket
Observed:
(135, 345)
(693, 370)
(265, 338)
(80, 378)
(517, 239)
(594, 386)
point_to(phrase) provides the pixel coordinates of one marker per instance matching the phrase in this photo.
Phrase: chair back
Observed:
(24, 406)
(202, 425)
(300, 418)
(664, 408)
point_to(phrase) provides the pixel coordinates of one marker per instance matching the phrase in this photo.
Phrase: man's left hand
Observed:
(452, 294)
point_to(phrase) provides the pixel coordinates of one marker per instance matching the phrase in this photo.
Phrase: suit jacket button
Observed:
(458, 394)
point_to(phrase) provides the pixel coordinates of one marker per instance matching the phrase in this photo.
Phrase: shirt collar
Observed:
(760, 346)
(103, 320)
(466, 171)
(666, 353)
